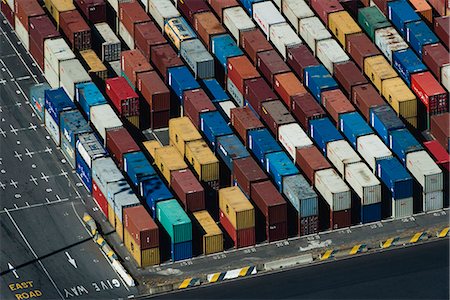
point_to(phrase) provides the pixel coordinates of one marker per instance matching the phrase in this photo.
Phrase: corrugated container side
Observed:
(203, 160)
(333, 189)
(425, 171)
(174, 220)
(188, 190)
(211, 235)
(237, 208)
(364, 183)
(168, 159)
(341, 155)
(143, 258)
(301, 195)
(402, 207)
(242, 237)
(246, 172)
(310, 160)
(433, 201)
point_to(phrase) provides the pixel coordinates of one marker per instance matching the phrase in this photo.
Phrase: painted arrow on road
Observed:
(11, 267)
(71, 260)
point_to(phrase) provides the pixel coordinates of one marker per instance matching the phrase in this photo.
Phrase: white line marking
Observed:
(44, 177)
(13, 130)
(28, 153)
(15, 206)
(18, 156)
(2, 185)
(13, 183)
(14, 271)
(2, 132)
(33, 179)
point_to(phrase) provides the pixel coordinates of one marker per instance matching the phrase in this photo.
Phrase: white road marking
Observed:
(15, 206)
(44, 177)
(23, 78)
(14, 271)
(18, 156)
(27, 204)
(28, 153)
(2, 132)
(64, 173)
(13, 130)
(32, 127)
(36, 205)
(2, 185)
(13, 183)
(71, 260)
(34, 179)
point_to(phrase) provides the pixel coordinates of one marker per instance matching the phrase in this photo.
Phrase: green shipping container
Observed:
(370, 19)
(174, 220)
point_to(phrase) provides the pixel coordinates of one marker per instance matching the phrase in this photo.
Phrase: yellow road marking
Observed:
(416, 237)
(444, 232)
(87, 218)
(215, 277)
(388, 243)
(326, 255)
(243, 271)
(355, 249)
(185, 283)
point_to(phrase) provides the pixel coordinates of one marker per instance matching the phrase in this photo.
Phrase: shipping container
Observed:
(370, 213)
(188, 189)
(275, 114)
(37, 96)
(100, 199)
(269, 202)
(167, 160)
(224, 47)
(384, 120)
(257, 91)
(57, 101)
(22, 33)
(400, 97)
(322, 132)
(146, 36)
(400, 13)
(279, 166)
(161, 11)
(253, 42)
(213, 125)
(190, 8)
(214, 90)
(288, 86)
(76, 30)
(389, 41)
(230, 148)
(425, 171)
(298, 58)
(237, 21)
(153, 190)
(88, 148)
(418, 34)
(196, 102)
(164, 57)
(310, 160)
(318, 79)
(441, 29)
(372, 149)
(141, 227)
(246, 173)
(207, 25)
(265, 15)
(104, 172)
(433, 201)
(239, 70)
(333, 189)
(178, 31)
(133, 63)
(56, 7)
(243, 120)
(360, 47)
(174, 220)
(248, 5)
(72, 125)
(182, 131)
(423, 8)
(364, 183)
(378, 69)
(445, 77)
(398, 181)
(340, 219)
(301, 195)
(292, 137)
(430, 92)
(220, 5)
(325, 7)
(180, 80)
(403, 142)
(71, 73)
(336, 104)
(119, 142)
(349, 76)
(156, 95)
(240, 237)
(225, 108)
(8, 12)
(312, 31)
(93, 10)
(122, 197)
(305, 108)
(203, 160)
(181, 251)
(130, 14)
(269, 63)
(283, 37)
(237, 208)
(402, 207)
(137, 167)
(123, 97)
(308, 225)
(94, 66)
(440, 129)
(342, 25)
(439, 153)
(295, 11)
(25, 10)
(353, 126)
(106, 43)
(103, 117)
(261, 142)
(40, 29)
(210, 235)
(55, 51)
(330, 53)
(236, 95)
(143, 258)
(365, 97)
(198, 58)
(407, 63)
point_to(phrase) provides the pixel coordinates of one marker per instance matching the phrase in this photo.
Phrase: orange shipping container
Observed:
(207, 25)
(287, 86)
(422, 7)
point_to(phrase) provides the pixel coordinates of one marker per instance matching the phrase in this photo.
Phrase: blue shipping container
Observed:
(394, 175)
(418, 34)
(261, 142)
(180, 80)
(37, 95)
(83, 171)
(400, 13)
(352, 125)
(180, 251)
(57, 101)
(153, 190)
(407, 63)
(229, 148)
(223, 47)
(72, 123)
(213, 125)
(137, 167)
(322, 132)
(371, 213)
(403, 142)
(318, 80)
(384, 119)
(214, 90)
(302, 196)
(247, 4)
(88, 95)
(280, 165)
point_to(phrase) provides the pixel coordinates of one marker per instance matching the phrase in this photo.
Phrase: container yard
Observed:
(205, 128)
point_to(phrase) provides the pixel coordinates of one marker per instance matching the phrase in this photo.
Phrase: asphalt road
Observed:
(418, 272)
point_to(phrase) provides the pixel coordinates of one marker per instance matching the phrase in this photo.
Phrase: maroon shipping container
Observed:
(269, 201)
(310, 159)
(366, 97)
(435, 56)
(305, 108)
(8, 13)
(243, 119)
(164, 57)
(275, 114)
(359, 46)
(299, 57)
(352, 6)
(154, 91)
(349, 76)
(241, 238)
(191, 7)
(118, 143)
(133, 63)
(26, 9)
(277, 232)
(124, 98)
(147, 35)
(37, 53)
(196, 102)
(430, 92)
(440, 129)
(76, 30)
(141, 227)
(270, 63)
(340, 219)
(159, 119)
(308, 225)
(324, 7)
(42, 28)
(438, 5)
(188, 189)
(382, 5)
(240, 69)
(253, 42)
(132, 13)
(336, 103)
(207, 25)
(257, 91)
(442, 28)
(219, 5)
(247, 172)
(93, 10)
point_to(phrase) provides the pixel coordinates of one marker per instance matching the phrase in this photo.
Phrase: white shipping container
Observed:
(235, 93)
(52, 128)
(402, 207)
(103, 117)
(72, 72)
(329, 52)
(22, 33)
(371, 149)
(145, 4)
(388, 41)
(89, 148)
(10, 4)
(126, 36)
(296, 10)
(433, 201)
(341, 154)
(333, 189)
(51, 75)
(111, 45)
(312, 30)
(105, 171)
(292, 136)
(55, 51)
(123, 199)
(237, 20)
(445, 77)
(278, 3)
(283, 36)
(266, 14)
(226, 107)
(114, 4)
(364, 183)
(162, 10)
(425, 171)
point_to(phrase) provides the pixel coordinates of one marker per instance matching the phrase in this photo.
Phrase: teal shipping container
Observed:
(174, 220)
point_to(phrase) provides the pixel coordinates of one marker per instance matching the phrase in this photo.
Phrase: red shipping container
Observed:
(305, 108)
(42, 28)
(288, 86)
(76, 30)
(118, 143)
(257, 91)
(254, 42)
(440, 129)
(124, 98)
(147, 35)
(8, 13)
(366, 97)
(310, 159)
(270, 63)
(188, 189)
(93, 10)
(308, 225)
(435, 56)
(275, 114)
(269, 201)
(430, 92)
(247, 172)
(159, 119)
(99, 198)
(141, 227)
(133, 63)
(241, 238)
(191, 7)
(27, 9)
(277, 232)
(244, 119)
(37, 53)
(219, 5)
(164, 57)
(132, 13)
(336, 103)
(324, 7)
(239, 70)
(196, 102)
(207, 26)
(439, 5)
(298, 58)
(382, 5)
(441, 156)
(359, 46)
(349, 76)
(340, 219)
(155, 93)
(442, 28)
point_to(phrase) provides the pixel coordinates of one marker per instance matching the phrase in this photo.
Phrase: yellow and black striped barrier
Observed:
(242, 272)
(419, 236)
(328, 254)
(389, 242)
(443, 233)
(189, 282)
(358, 249)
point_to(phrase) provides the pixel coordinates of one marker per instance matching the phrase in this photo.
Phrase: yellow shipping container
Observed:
(236, 207)
(133, 120)
(203, 160)
(412, 121)
(341, 24)
(168, 159)
(119, 228)
(55, 7)
(400, 97)
(94, 64)
(144, 258)
(151, 146)
(111, 216)
(212, 241)
(181, 131)
(377, 68)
